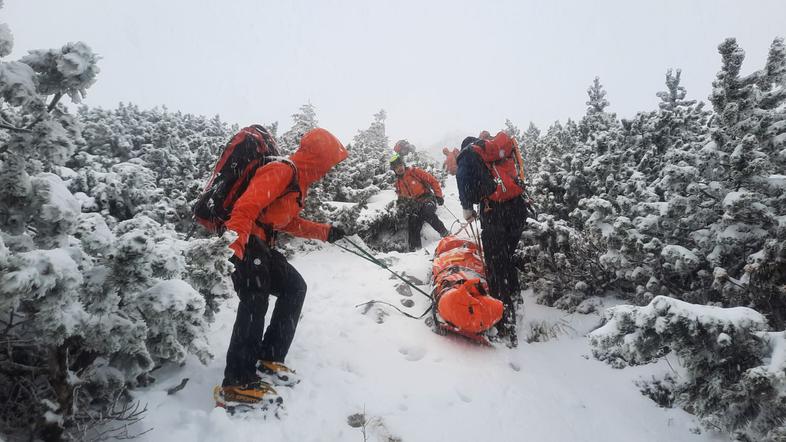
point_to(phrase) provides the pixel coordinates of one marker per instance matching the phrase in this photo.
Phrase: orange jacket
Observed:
(415, 183)
(498, 154)
(262, 203)
(450, 160)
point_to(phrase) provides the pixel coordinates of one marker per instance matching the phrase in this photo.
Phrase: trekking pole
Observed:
(479, 243)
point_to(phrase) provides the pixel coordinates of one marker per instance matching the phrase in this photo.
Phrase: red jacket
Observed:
(263, 202)
(415, 183)
(498, 156)
(450, 160)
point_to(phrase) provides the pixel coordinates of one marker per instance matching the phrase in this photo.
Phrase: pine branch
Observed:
(55, 99)
(13, 129)
(49, 109)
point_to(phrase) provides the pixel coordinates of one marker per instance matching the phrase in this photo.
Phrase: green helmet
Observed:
(395, 160)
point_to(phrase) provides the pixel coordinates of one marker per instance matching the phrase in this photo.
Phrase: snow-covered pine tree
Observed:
(533, 150)
(744, 165)
(302, 121)
(168, 155)
(86, 312)
(733, 365)
(598, 129)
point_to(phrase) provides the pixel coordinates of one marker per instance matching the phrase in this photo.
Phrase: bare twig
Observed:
(10, 322)
(15, 367)
(179, 387)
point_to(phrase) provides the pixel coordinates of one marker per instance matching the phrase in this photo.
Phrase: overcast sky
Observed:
(439, 68)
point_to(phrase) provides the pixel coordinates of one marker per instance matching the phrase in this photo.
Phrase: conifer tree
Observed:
(87, 311)
(302, 121)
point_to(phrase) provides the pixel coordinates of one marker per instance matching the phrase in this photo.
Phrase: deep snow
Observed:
(415, 385)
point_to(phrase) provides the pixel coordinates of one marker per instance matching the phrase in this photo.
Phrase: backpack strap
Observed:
(294, 185)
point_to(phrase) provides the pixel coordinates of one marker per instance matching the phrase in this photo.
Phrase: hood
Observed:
(469, 141)
(319, 151)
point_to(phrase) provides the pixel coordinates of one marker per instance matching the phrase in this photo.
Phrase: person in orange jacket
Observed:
(450, 160)
(270, 204)
(420, 192)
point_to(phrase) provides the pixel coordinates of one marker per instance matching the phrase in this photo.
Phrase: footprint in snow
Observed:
(413, 353)
(403, 290)
(463, 396)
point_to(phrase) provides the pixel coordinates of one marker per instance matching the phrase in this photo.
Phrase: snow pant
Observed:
(503, 223)
(423, 210)
(262, 272)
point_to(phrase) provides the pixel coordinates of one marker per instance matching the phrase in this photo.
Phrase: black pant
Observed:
(423, 210)
(503, 223)
(262, 272)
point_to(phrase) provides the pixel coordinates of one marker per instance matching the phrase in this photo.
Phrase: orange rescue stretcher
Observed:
(463, 305)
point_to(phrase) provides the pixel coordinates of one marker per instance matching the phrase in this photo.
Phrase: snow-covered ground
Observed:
(412, 384)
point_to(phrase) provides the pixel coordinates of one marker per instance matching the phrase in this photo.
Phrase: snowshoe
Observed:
(505, 334)
(258, 397)
(277, 374)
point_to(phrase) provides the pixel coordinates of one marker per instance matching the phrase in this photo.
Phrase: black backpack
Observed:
(250, 149)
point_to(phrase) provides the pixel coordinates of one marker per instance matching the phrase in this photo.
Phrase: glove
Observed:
(335, 234)
(470, 214)
(440, 200)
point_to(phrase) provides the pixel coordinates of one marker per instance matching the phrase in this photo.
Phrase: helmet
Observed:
(395, 160)
(403, 147)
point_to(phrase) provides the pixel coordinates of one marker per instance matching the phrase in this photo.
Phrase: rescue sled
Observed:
(463, 306)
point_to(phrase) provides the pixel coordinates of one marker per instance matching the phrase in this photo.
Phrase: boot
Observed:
(277, 373)
(254, 395)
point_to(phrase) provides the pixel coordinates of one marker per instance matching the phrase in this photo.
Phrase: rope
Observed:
(457, 220)
(399, 310)
(369, 257)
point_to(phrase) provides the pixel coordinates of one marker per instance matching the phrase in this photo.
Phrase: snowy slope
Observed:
(415, 385)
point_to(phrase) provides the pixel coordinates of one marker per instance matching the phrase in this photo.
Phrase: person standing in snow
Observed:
(420, 193)
(450, 160)
(486, 175)
(270, 205)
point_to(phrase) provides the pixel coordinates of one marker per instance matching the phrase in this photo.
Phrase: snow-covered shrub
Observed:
(88, 307)
(735, 369)
(151, 162)
(679, 201)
